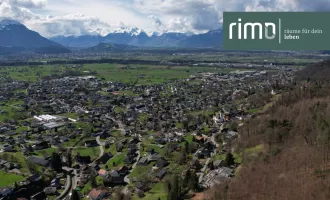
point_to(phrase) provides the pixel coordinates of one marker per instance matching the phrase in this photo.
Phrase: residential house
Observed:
(2, 163)
(50, 191)
(142, 186)
(130, 159)
(7, 148)
(105, 158)
(161, 163)
(153, 158)
(96, 194)
(161, 173)
(114, 178)
(104, 135)
(91, 143)
(95, 166)
(83, 159)
(151, 151)
(103, 173)
(38, 161)
(6, 191)
(55, 183)
(219, 163)
(171, 147)
(231, 134)
(124, 170)
(35, 178)
(119, 147)
(200, 139)
(134, 141)
(143, 161)
(40, 145)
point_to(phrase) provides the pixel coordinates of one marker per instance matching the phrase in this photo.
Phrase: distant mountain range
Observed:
(105, 47)
(16, 38)
(211, 39)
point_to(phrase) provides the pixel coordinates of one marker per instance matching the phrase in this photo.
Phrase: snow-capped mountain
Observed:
(211, 39)
(15, 34)
(138, 37)
(133, 31)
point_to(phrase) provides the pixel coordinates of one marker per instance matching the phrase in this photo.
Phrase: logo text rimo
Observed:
(251, 29)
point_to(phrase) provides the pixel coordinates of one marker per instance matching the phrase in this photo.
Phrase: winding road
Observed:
(67, 190)
(126, 178)
(213, 140)
(101, 147)
(201, 174)
(72, 180)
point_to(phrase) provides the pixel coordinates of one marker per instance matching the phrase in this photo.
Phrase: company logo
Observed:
(265, 30)
(276, 31)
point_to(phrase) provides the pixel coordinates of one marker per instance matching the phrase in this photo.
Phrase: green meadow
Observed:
(137, 74)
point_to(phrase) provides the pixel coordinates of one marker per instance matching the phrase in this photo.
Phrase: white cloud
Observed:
(156, 20)
(199, 15)
(9, 9)
(28, 3)
(77, 24)
(55, 17)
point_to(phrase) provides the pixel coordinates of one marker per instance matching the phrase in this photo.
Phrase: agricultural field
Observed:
(135, 74)
(146, 75)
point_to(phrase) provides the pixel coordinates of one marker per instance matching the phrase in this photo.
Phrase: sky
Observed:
(80, 17)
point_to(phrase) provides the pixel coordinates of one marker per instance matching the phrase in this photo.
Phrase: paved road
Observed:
(67, 188)
(121, 127)
(71, 182)
(201, 175)
(215, 144)
(74, 179)
(138, 156)
(74, 183)
(213, 140)
(126, 178)
(101, 147)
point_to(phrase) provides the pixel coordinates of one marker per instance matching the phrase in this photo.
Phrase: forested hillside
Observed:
(294, 136)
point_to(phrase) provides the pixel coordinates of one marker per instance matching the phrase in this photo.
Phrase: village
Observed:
(83, 135)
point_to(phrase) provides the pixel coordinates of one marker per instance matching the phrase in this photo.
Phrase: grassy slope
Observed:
(8, 179)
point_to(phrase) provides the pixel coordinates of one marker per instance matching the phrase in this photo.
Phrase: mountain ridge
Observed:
(169, 39)
(15, 35)
(106, 47)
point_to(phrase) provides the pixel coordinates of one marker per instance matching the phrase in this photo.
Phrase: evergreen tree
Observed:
(193, 181)
(230, 159)
(56, 162)
(186, 179)
(183, 157)
(186, 147)
(15, 185)
(174, 192)
(93, 182)
(75, 195)
(69, 158)
(30, 148)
